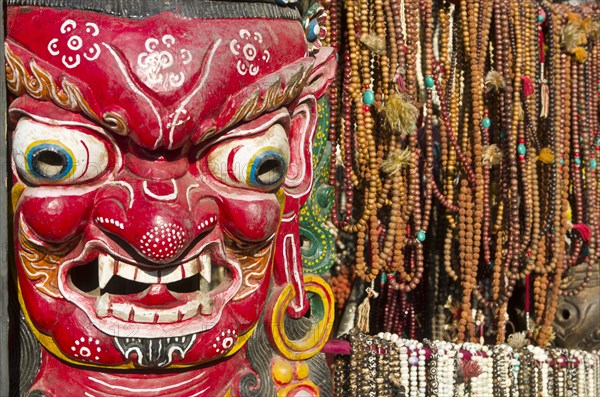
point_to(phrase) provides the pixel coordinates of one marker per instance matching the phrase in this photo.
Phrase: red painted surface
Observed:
(155, 212)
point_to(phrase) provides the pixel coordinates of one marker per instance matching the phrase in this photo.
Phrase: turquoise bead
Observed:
(486, 122)
(521, 149)
(593, 164)
(421, 236)
(540, 18)
(562, 161)
(429, 82)
(598, 142)
(577, 161)
(369, 97)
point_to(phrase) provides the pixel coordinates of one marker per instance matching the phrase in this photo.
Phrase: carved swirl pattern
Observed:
(318, 243)
(41, 86)
(25, 353)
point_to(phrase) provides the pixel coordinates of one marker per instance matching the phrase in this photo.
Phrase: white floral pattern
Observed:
(79, 43)
(249, 53)
(161, 56)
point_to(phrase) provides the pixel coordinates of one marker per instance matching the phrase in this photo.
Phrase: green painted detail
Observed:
(318, 244)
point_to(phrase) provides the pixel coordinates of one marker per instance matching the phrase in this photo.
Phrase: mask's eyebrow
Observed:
(39, 84)
(267, 94)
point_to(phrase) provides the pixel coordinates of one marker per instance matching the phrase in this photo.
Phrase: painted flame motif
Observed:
(42, 267)
(254, 268)
(41, 85)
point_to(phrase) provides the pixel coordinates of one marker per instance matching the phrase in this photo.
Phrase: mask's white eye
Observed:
(260, 161)
(48, 154)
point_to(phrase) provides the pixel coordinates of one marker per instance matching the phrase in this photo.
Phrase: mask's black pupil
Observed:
(48, 163)
(270, 171)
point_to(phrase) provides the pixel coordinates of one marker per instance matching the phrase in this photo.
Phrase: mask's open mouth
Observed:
(109, 289)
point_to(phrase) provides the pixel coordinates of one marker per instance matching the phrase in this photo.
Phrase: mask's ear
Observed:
(323, 73)
(303, 125)
(299, 178)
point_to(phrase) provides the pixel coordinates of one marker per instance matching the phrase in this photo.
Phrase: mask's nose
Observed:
(153, 217)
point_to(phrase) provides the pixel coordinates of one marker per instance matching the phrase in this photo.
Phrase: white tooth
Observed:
(169, 316)
(126, 271)
(171, 275)
(206, 304)
(190, 313)
(121, 311)
(143, 316)
(147, 276)
(106, 265)
(190, 268)
(102, 303)
(205, 262)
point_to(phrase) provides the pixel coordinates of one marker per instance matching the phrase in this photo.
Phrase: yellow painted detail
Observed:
(313, 342)
(302, 370)
(15, 194)
(282, 370)
(240, 342)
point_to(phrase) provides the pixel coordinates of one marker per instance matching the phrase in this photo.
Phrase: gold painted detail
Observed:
(254, 267)
(292, 375)
(282, 370)
(40, 84)
(42, 267)
(315, 339)
(271, 95)
(15, 194)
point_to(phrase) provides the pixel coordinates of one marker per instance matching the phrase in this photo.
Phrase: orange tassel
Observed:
(581, 54)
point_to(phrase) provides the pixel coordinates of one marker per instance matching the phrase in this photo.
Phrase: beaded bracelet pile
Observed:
(388, 365)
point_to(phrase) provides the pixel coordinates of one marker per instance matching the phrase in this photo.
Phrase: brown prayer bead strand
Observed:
(411, 11)
(335, 105)
(595, 129)
(384, 61)
(426, 7)
(560, 254)
(528, 13)
(346, 142)
(562, 138)
(477, 86)
(468, 272)
(578, 209)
